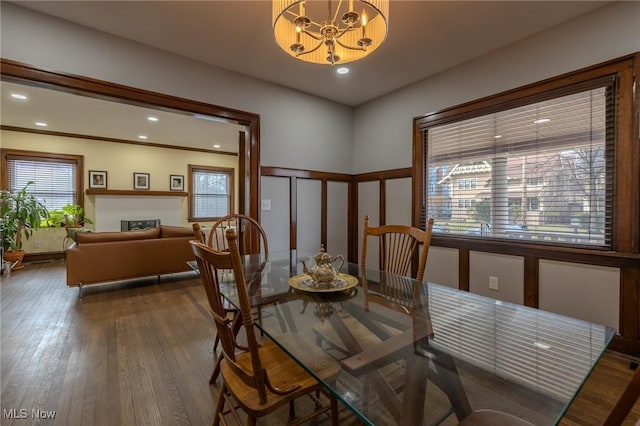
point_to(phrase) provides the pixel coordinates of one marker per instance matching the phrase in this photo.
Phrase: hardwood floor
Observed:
(140, 353)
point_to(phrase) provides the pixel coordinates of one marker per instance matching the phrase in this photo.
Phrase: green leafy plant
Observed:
(21, 213)
(71, 215)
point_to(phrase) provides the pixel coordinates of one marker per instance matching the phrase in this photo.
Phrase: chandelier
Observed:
(334, 32)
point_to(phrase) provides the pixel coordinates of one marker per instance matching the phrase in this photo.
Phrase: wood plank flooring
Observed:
(140, 353)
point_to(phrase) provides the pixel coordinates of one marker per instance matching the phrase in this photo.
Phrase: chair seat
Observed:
(283, 372)
(492, 418)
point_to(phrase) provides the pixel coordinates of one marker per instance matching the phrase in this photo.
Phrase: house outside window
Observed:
(210, 192)
(471, 183)
(534, 181)
(55, 177)
(533, 204)
(554, 153)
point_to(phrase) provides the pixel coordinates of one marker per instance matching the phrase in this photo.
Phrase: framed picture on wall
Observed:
(140, 180)
(97, 179)
(176, 182)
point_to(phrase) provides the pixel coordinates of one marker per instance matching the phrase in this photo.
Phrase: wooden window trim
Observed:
(223, 170)
(15, 154)
(626, 205)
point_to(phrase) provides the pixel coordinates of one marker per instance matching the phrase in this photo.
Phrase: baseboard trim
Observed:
(43, 257)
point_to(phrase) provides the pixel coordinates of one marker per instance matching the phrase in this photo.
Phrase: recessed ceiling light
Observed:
(542, 120)
(342, 70)
(142, 137)
(151, 118)
(41, 124)
(497, 136)
(216, 146)
(19, 96)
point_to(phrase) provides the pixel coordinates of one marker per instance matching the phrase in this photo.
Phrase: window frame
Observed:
(625, 236)
(15, 154)
(229, 171)
(608, 84)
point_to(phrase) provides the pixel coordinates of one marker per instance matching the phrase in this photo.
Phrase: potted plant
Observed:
(21, 213)
(69, 216)
(72, 218)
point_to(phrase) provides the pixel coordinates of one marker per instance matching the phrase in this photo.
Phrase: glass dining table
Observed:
(417, 353)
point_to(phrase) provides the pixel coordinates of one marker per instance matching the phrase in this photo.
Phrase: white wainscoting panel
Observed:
(337, 224)
(442, 266)
(588, 292)
(508, 270)
(276, 221)
(309, 215)
(369, 204)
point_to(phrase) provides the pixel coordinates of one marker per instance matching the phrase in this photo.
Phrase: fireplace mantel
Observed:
(135, 193)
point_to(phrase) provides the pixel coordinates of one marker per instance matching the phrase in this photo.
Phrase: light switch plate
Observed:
(493, 283)
(266, 205)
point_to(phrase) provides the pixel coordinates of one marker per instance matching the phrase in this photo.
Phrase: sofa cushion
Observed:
(103, 237)
(167, 231)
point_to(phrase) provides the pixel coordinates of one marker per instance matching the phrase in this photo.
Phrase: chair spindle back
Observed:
(209, 262)
(398, 244)
(251, 237)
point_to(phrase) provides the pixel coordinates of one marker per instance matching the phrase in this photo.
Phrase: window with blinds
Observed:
(55, 180)
(540, 171)
(211, 194)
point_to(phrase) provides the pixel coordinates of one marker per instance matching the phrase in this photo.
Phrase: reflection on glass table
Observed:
(419, 353)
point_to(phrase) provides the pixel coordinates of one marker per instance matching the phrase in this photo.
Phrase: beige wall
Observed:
(121, 160)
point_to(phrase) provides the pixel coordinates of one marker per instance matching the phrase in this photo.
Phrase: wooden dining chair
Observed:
(252, 239)
(397, 246)
(258, 378)
(198, 233)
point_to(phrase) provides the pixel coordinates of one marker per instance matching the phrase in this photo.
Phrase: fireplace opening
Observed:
(133, 225)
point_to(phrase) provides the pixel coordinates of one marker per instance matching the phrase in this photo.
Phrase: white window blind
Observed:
(538, 172)
(54, 181)
(211, 197)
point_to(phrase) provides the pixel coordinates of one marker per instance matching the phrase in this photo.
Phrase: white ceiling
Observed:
(81, 115)
(425, 37)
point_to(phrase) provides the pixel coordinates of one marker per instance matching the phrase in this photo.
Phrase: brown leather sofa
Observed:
(110, 256)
